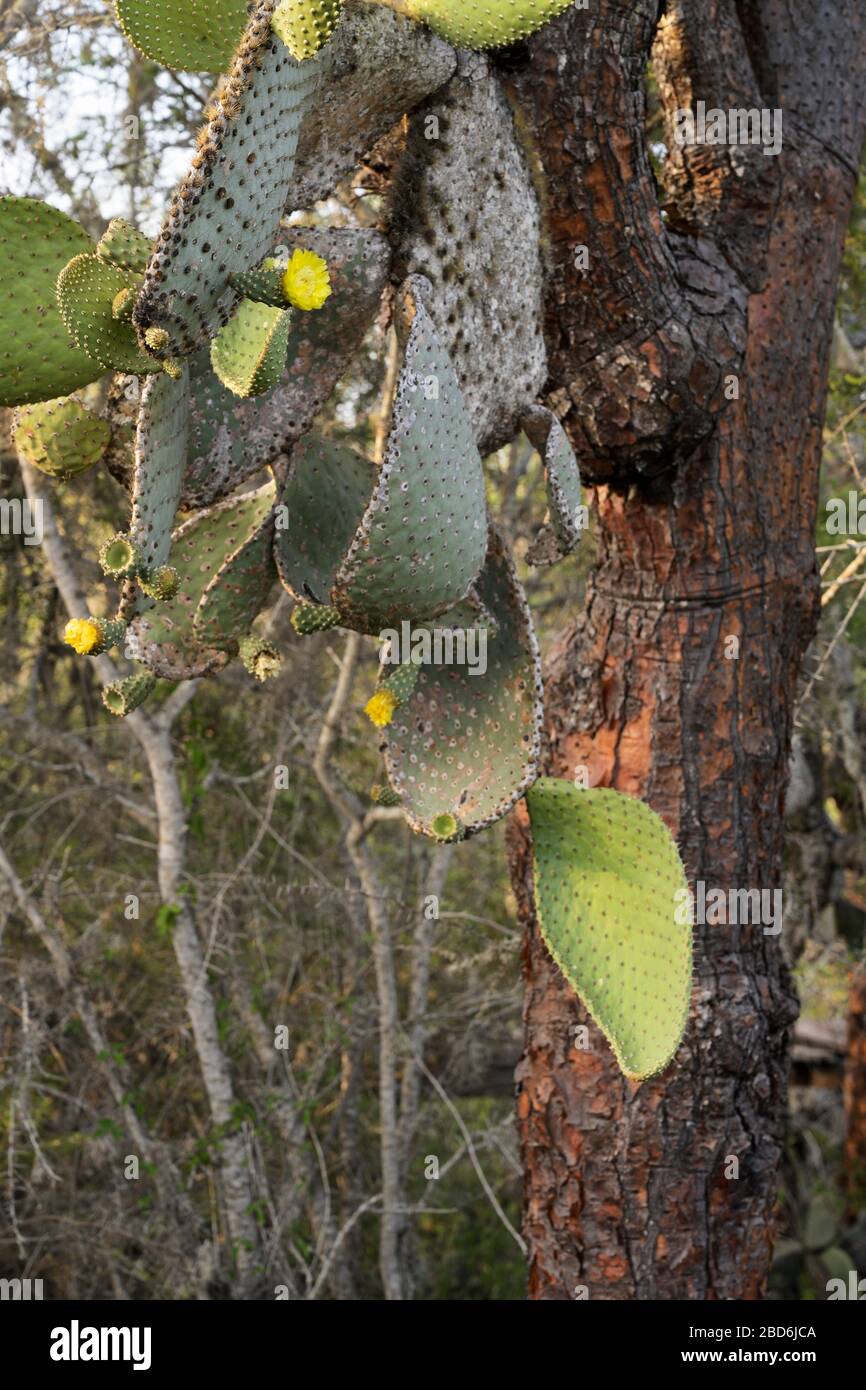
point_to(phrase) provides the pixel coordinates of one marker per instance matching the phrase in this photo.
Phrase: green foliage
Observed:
(38, 361)
(609, 888)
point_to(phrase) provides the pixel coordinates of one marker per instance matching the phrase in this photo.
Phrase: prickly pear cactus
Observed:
(38, 359)
(465, 743)
(482, 23)
(190, 36)
(249, 353)
(161, 449)
(88, 289)
(208, 552)
(612, 902)
(561, 531)
(225, 214)
(61, 437)
(304, 25)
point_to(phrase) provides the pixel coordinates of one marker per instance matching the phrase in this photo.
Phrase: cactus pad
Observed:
(483, 23)
(38, 361)
(86, 290)
(608, 888)
(123, 246)
(422, 539)
(466, 745)
(60, 437)
(161, 443)
(204, 549)
(185, 35)
(561, 532)
(304, 25)
(122, 697)
(249, 353)
(226, 212)
(325, 498)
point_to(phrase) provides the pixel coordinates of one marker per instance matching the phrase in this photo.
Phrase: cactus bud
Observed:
(93, 636)
(383, 796)
(260, 658)
(122, 304)
(162, 585)
(446, 827)
(119, 557)
(173, 367)
(157, 339)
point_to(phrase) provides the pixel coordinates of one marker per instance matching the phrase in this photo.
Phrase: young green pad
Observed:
(304, 25)
(163, 636)
(482, 23)
(466, 745)
(609, 889)
(561, 532)
(249, 353)
(185, 35)
(225, 214)
(161, 443)
(86, 291)
(122, 245)
(38, 360)
(60, 437)
(423, 537)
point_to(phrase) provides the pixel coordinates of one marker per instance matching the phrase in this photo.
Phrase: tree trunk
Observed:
(689, 364)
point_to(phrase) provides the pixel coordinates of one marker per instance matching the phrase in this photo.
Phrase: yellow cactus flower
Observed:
(380, 707)
(306, 282)
(82, 635)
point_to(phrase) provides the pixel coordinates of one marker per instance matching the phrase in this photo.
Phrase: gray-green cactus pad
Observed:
(185, 35)
(225, 214)
(612, 904)
(86, 290)
(161, 446)
(423, 537)
(38, 360)
(380, 65)
(249, 352)
(163, 636)
(464, 178)
(237, 594)
(561, 531)
(325, 498)
(467, 745)
(60, 437)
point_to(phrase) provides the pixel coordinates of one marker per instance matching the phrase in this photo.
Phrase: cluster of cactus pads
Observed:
(223, 339)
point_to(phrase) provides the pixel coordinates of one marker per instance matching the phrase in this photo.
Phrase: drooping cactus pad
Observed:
(610, 893)
(249, 353)
(86, 292)
(423, 537)
(225, 214)
(60, 437)
(186, 35)
(483, 23)
(466, 745)
(161, 447)
(561, 532)
(38, 360)
(325, 498)
(205, 551)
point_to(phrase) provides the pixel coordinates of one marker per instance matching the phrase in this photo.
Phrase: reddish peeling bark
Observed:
(706, 517)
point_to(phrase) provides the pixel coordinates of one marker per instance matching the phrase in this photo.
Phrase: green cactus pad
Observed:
(60, 437)
(237, 593)
(123, 246)
(308, 618)
(264, 285)
(122, 697)
(561, 532)
(467, 745)
(325, 498)
(423, 537)
(225, 214)
(249, 353)
(482, 23)
(401, 682)
(609, 888)
(38, 361)
(163, 636)
(86, 291)
(304, 25)
(161, 444)
(185, 35)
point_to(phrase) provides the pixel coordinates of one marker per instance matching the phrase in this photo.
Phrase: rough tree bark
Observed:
(706, 514)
